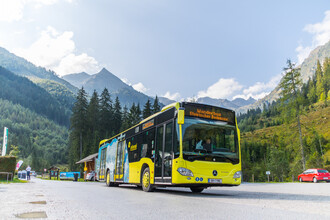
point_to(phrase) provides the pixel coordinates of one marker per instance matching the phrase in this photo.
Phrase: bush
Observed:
(327, 167)
(7, 164)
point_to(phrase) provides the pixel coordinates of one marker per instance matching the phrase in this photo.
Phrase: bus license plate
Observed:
(325, 178)
(215, 180)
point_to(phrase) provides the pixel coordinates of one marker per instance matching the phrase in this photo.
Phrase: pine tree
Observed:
(126, 124)
(319, 76)
(117, 117)
(290, 84)
(78, 126)
(312, 97)
(134, 115)
(93, 119)
(326, 79)
(106, 115)
(147, 111)
(156, 106)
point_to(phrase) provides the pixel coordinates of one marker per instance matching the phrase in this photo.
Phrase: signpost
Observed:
(268, 173)
(5, 139)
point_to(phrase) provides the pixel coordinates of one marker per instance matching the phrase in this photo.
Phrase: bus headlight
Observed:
(185, 172)
(237, 175)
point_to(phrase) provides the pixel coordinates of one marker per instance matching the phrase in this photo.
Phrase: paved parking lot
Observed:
(87, 200)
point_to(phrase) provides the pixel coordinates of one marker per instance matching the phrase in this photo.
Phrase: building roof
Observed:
(88, 158)
(53, 168)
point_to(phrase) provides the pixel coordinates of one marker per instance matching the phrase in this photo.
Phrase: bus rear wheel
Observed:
(197, 189)
(108, 178)
(146, 185)
(108, 182)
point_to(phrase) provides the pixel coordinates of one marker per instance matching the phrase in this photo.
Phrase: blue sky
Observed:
(178, 49)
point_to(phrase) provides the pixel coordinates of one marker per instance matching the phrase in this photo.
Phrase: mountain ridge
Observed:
(23, 67)
(308, 67)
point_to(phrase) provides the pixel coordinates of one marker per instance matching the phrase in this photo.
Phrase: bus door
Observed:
(163, 153)
(102, 163)
(120, 161)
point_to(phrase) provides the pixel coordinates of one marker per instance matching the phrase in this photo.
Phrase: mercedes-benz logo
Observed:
(215, 173)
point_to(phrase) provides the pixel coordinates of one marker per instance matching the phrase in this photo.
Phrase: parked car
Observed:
(91, 176)
(33, 173)
(314, 175)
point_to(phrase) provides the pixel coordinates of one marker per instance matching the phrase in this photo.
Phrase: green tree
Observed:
(126, 124)
(117, 116)
(278, 163)
(78, 126)
(319, 76)
(326, 79)
(290, 84)
(93, 112)
(134, 115)
(14, 151)
(155, 106)
(106, 115)
(147, 111)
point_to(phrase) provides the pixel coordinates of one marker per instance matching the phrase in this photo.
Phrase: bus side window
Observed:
(147, 145)
(133, 152)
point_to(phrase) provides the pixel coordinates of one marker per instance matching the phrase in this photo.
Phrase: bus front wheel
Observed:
(146, 185)
(197, 189)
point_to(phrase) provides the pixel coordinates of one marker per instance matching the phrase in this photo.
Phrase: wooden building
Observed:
(89, 163)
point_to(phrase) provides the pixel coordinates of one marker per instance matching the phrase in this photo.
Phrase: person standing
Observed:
(28, 170)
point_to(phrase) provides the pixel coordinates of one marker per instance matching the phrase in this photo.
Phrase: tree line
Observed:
(295, 146)
(101, 118)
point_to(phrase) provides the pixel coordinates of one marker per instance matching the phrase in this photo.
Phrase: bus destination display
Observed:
(210, 113)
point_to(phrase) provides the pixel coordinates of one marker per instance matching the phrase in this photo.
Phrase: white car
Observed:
(91, 176)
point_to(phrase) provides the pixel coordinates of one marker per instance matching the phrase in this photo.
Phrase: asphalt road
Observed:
(93, 200)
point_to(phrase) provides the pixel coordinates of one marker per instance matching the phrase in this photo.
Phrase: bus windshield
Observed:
(209, 140)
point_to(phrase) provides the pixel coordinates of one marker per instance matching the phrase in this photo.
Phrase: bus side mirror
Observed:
(181, 116)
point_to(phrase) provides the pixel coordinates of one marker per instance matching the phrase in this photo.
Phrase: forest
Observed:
(270, 136)
(101, 118)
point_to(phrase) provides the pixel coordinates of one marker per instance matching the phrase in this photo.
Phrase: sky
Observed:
(179, 49)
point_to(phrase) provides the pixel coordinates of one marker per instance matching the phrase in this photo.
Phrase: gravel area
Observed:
(87, 200)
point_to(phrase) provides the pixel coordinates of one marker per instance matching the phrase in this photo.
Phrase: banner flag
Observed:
(5, 139)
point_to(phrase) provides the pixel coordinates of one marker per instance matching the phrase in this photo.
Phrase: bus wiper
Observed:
(195, 157)
(224, 156)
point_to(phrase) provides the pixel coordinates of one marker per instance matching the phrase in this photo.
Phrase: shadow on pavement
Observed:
(216, 193)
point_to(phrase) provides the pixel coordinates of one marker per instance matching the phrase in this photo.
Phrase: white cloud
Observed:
(125, 80)
(56, 51)
(321, 35)
(76, 64)
(231, 89)
(140, 87)
(12, 10)
(175, 96)
(260, 89)
(222, 89)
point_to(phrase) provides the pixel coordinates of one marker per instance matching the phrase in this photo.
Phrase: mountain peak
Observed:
(104, 70)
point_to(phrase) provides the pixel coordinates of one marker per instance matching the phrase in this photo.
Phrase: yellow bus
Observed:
(185, 145)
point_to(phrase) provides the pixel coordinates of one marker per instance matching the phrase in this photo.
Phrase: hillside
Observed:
(271, 139)
(20, 90)
(61, 93)
(41, 142)
(279, 144)
(22, 67)
(307, 70)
